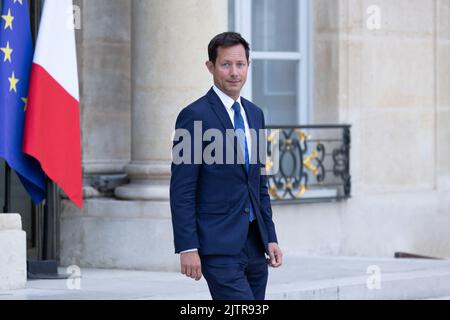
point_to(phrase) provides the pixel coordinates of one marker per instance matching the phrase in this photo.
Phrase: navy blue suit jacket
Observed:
(209, 202)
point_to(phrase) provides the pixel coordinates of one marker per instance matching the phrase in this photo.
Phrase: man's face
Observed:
(230, 70)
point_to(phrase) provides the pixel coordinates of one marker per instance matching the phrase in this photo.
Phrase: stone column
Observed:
(169, 48)
(104, 48)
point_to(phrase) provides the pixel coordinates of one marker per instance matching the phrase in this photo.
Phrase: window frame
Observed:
(242, 23)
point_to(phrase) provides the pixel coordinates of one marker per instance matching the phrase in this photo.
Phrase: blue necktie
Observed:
(239, 124)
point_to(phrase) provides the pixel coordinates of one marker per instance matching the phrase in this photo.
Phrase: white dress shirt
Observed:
(228, 103)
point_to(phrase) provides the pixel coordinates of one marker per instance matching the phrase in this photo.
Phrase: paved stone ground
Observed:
(300, 277)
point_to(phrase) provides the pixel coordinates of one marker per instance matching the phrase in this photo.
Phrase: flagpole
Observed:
(7, 188)
(35, 14)
(50, 222)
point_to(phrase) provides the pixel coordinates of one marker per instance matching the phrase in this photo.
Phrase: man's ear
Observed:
(210, 66)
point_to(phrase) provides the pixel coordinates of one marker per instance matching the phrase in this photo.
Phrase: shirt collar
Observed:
(226, 100)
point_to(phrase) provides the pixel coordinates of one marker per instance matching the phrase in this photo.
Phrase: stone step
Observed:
(400, 286)
(341, 278)
(300, 277)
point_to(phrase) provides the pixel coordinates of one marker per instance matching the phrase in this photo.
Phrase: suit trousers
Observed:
(238, 277)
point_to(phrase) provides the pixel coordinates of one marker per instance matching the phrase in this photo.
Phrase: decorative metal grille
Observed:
(312, 163)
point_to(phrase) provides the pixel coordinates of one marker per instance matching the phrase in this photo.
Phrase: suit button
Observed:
(247, 210)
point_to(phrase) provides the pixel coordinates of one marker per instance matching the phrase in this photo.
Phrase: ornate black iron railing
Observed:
(309, 163)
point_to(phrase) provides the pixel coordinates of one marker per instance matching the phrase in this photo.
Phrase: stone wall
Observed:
(392, 85)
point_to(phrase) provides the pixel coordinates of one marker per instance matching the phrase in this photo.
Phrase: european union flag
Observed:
(16, 56)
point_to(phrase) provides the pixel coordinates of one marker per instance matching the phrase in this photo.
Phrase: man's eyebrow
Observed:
(228, 61)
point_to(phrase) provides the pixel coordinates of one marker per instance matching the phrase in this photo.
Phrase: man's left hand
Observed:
(275, 255)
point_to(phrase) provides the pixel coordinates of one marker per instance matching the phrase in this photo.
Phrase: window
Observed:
(279, 80)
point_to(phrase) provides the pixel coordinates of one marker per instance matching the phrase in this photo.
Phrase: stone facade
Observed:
(142, 61)
(392, 84)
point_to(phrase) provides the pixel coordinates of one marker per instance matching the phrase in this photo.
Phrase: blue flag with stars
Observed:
(16, 56)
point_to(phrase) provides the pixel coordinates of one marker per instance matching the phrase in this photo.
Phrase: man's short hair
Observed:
(225, 40)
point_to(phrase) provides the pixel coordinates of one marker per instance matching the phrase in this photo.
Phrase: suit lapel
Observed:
(252, 125)
(219, 109)
(250, 119)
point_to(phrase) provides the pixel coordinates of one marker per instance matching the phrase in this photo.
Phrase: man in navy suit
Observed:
(221, 212)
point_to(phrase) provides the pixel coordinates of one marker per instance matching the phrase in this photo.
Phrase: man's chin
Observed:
(234, 91)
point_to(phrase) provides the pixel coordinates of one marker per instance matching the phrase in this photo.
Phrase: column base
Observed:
(143, 191)
(109, 233)
(149, 181)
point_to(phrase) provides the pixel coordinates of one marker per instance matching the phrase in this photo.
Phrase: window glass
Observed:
(275, 25)
(275, 89)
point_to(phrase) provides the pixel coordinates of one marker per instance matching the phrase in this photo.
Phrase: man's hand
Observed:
(191, 265)
(275, 255)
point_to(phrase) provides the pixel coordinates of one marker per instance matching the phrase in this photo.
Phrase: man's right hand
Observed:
(191, 265)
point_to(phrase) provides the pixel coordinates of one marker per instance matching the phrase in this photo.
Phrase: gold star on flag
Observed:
(25, 107)
(12, 83)
(20, 1)
(7, 51)
(8, 20)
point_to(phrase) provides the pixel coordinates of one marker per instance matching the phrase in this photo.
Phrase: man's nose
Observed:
(233, 70)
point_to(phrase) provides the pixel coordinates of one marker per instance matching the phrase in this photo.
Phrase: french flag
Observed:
(52, 121)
